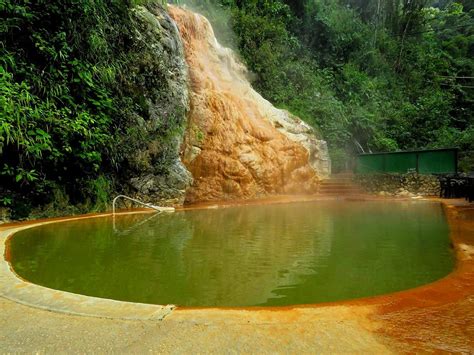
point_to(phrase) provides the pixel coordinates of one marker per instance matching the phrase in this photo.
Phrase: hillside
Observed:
(94, 96)
(376, 75)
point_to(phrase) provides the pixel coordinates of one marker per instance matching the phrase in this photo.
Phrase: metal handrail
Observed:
(149, 205)
(128, 230)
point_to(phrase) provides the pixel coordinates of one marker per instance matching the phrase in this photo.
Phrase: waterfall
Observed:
(237, 144)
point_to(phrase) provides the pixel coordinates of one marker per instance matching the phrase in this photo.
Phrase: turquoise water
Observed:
(268, 255)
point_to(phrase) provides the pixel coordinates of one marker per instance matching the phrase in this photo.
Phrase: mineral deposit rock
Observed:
(237, 145)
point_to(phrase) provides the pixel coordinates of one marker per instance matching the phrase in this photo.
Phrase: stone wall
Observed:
(410, 184)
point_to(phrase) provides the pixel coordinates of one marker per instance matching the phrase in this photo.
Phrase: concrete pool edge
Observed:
(439, 316)
(15, 289)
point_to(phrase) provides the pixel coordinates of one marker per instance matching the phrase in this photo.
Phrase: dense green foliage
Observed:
(372, 75)
(76, 85)
(72, 83)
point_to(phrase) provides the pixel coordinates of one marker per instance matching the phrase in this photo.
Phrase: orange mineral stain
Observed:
(234, 146)
(438, 317)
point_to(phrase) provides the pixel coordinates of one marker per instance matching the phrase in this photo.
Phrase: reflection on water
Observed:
(241, 256)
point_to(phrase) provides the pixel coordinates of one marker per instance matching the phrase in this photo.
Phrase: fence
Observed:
(434, 161)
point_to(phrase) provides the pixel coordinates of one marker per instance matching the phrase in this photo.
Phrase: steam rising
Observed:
(237, 144)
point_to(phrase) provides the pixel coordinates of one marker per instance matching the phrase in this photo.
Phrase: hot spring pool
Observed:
(267, 255)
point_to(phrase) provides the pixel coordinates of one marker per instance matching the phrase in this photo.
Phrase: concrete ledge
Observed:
(14, 288)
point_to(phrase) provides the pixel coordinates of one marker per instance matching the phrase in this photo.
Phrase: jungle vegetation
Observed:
(75, 83)
(369, 75)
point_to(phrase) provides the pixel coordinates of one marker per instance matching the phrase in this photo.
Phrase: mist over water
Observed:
(243, 255)
(219, 17)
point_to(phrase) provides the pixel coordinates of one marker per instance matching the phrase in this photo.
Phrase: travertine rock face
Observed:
(237, 145)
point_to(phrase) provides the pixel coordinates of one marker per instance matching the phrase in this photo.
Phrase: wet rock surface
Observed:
(168, 188)
(237, 145)
(155, 172)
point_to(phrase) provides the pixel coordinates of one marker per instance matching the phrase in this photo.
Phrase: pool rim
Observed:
(24, 292)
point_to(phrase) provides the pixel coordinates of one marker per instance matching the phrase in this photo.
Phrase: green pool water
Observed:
(267, 255)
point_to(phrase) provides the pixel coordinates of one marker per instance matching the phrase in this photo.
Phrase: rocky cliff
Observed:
(154, 135)
(237, 145)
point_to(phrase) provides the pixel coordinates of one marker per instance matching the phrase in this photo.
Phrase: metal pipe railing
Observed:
(149, 205)
(135, 226)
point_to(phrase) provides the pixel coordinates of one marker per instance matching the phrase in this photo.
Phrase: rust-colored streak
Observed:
(8, 255)
(231, 147)
(438, 317)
